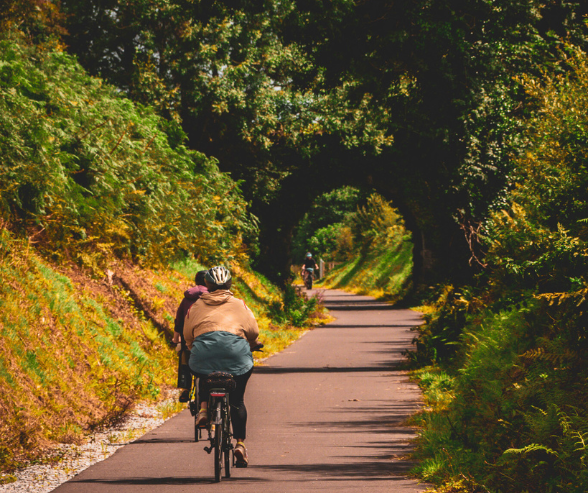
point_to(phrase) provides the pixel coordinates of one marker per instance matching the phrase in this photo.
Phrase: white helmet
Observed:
(218, 275)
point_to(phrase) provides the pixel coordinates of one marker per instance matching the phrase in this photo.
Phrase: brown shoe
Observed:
(240, 454)
(202, 418)
(185, 396)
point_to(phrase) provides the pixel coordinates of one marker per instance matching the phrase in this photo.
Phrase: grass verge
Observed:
(382, 272)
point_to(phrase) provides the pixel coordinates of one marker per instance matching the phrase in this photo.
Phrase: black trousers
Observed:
(236, 402)
(184, 372)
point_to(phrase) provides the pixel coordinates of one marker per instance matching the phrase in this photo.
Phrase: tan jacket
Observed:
(220, 310)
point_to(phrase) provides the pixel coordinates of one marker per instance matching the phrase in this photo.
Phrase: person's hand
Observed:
(176, 338)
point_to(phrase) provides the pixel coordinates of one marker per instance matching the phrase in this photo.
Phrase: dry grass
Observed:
(77, 352)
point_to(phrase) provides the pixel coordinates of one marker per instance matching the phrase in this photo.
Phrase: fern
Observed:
(529, 449)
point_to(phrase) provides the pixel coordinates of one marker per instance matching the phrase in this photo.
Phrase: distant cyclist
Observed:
(309, 263)
(221, 332)
(191, 295)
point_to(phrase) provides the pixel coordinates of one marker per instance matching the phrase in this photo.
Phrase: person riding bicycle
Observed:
(191, 296)
(309, 263)
(221, 331)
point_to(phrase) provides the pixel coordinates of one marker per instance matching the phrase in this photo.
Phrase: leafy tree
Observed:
(539, 241)
(39, 19)
(86, 173)
(417, 99)
(243, 93)
(445, 71)
(517, 343)
(318, 230)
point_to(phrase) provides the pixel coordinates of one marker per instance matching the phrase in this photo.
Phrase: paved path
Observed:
(326, 414)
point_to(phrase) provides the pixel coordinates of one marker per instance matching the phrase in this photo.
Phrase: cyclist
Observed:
(190, 297)
(309, 263)
(221, 332)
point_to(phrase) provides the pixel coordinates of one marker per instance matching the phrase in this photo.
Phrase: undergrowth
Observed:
(68, 362)
(508, 414)
(512, 349)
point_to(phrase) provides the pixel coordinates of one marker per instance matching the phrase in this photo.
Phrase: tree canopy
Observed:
(419, 100)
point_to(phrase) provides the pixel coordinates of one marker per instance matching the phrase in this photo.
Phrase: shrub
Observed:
(87, 174)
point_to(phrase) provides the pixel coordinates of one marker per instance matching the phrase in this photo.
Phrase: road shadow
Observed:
(407, 326)
(278, 370)
(164, 481)
(382, 419)
(374, 470)
(392, 350)
(358, 306)
(157, 441)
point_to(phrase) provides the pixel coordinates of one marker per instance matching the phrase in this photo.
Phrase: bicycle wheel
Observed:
(227, 438)
(218, 448)
(196, 431)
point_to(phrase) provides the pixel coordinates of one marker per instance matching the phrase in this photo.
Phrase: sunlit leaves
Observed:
(93, 171)
(543, 233)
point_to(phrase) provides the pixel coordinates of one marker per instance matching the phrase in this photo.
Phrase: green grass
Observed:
(65, 363)
(382, 272)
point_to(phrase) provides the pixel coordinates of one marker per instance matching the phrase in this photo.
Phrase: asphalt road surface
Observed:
(328, 414)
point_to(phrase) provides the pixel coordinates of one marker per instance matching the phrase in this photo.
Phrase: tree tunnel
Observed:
(440, 250)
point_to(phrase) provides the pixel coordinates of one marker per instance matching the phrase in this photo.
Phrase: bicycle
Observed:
(218, 425)
(308, 277)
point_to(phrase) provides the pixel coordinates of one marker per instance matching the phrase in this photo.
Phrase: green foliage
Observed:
(445, 321)
(89, 174)
(296, 310)
(541, 239)
(516, 414)
(320, 228)
(40, 20)
(377, 250)
(324, 243)
(421, 99)
(378, 223)
(244, 90)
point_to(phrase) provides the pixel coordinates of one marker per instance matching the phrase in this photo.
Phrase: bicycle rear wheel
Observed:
(218, 447)
(227, 444)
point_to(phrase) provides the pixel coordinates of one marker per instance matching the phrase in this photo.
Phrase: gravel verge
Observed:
(99, 446)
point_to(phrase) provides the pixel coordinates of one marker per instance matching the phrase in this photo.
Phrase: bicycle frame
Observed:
(219, 432)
